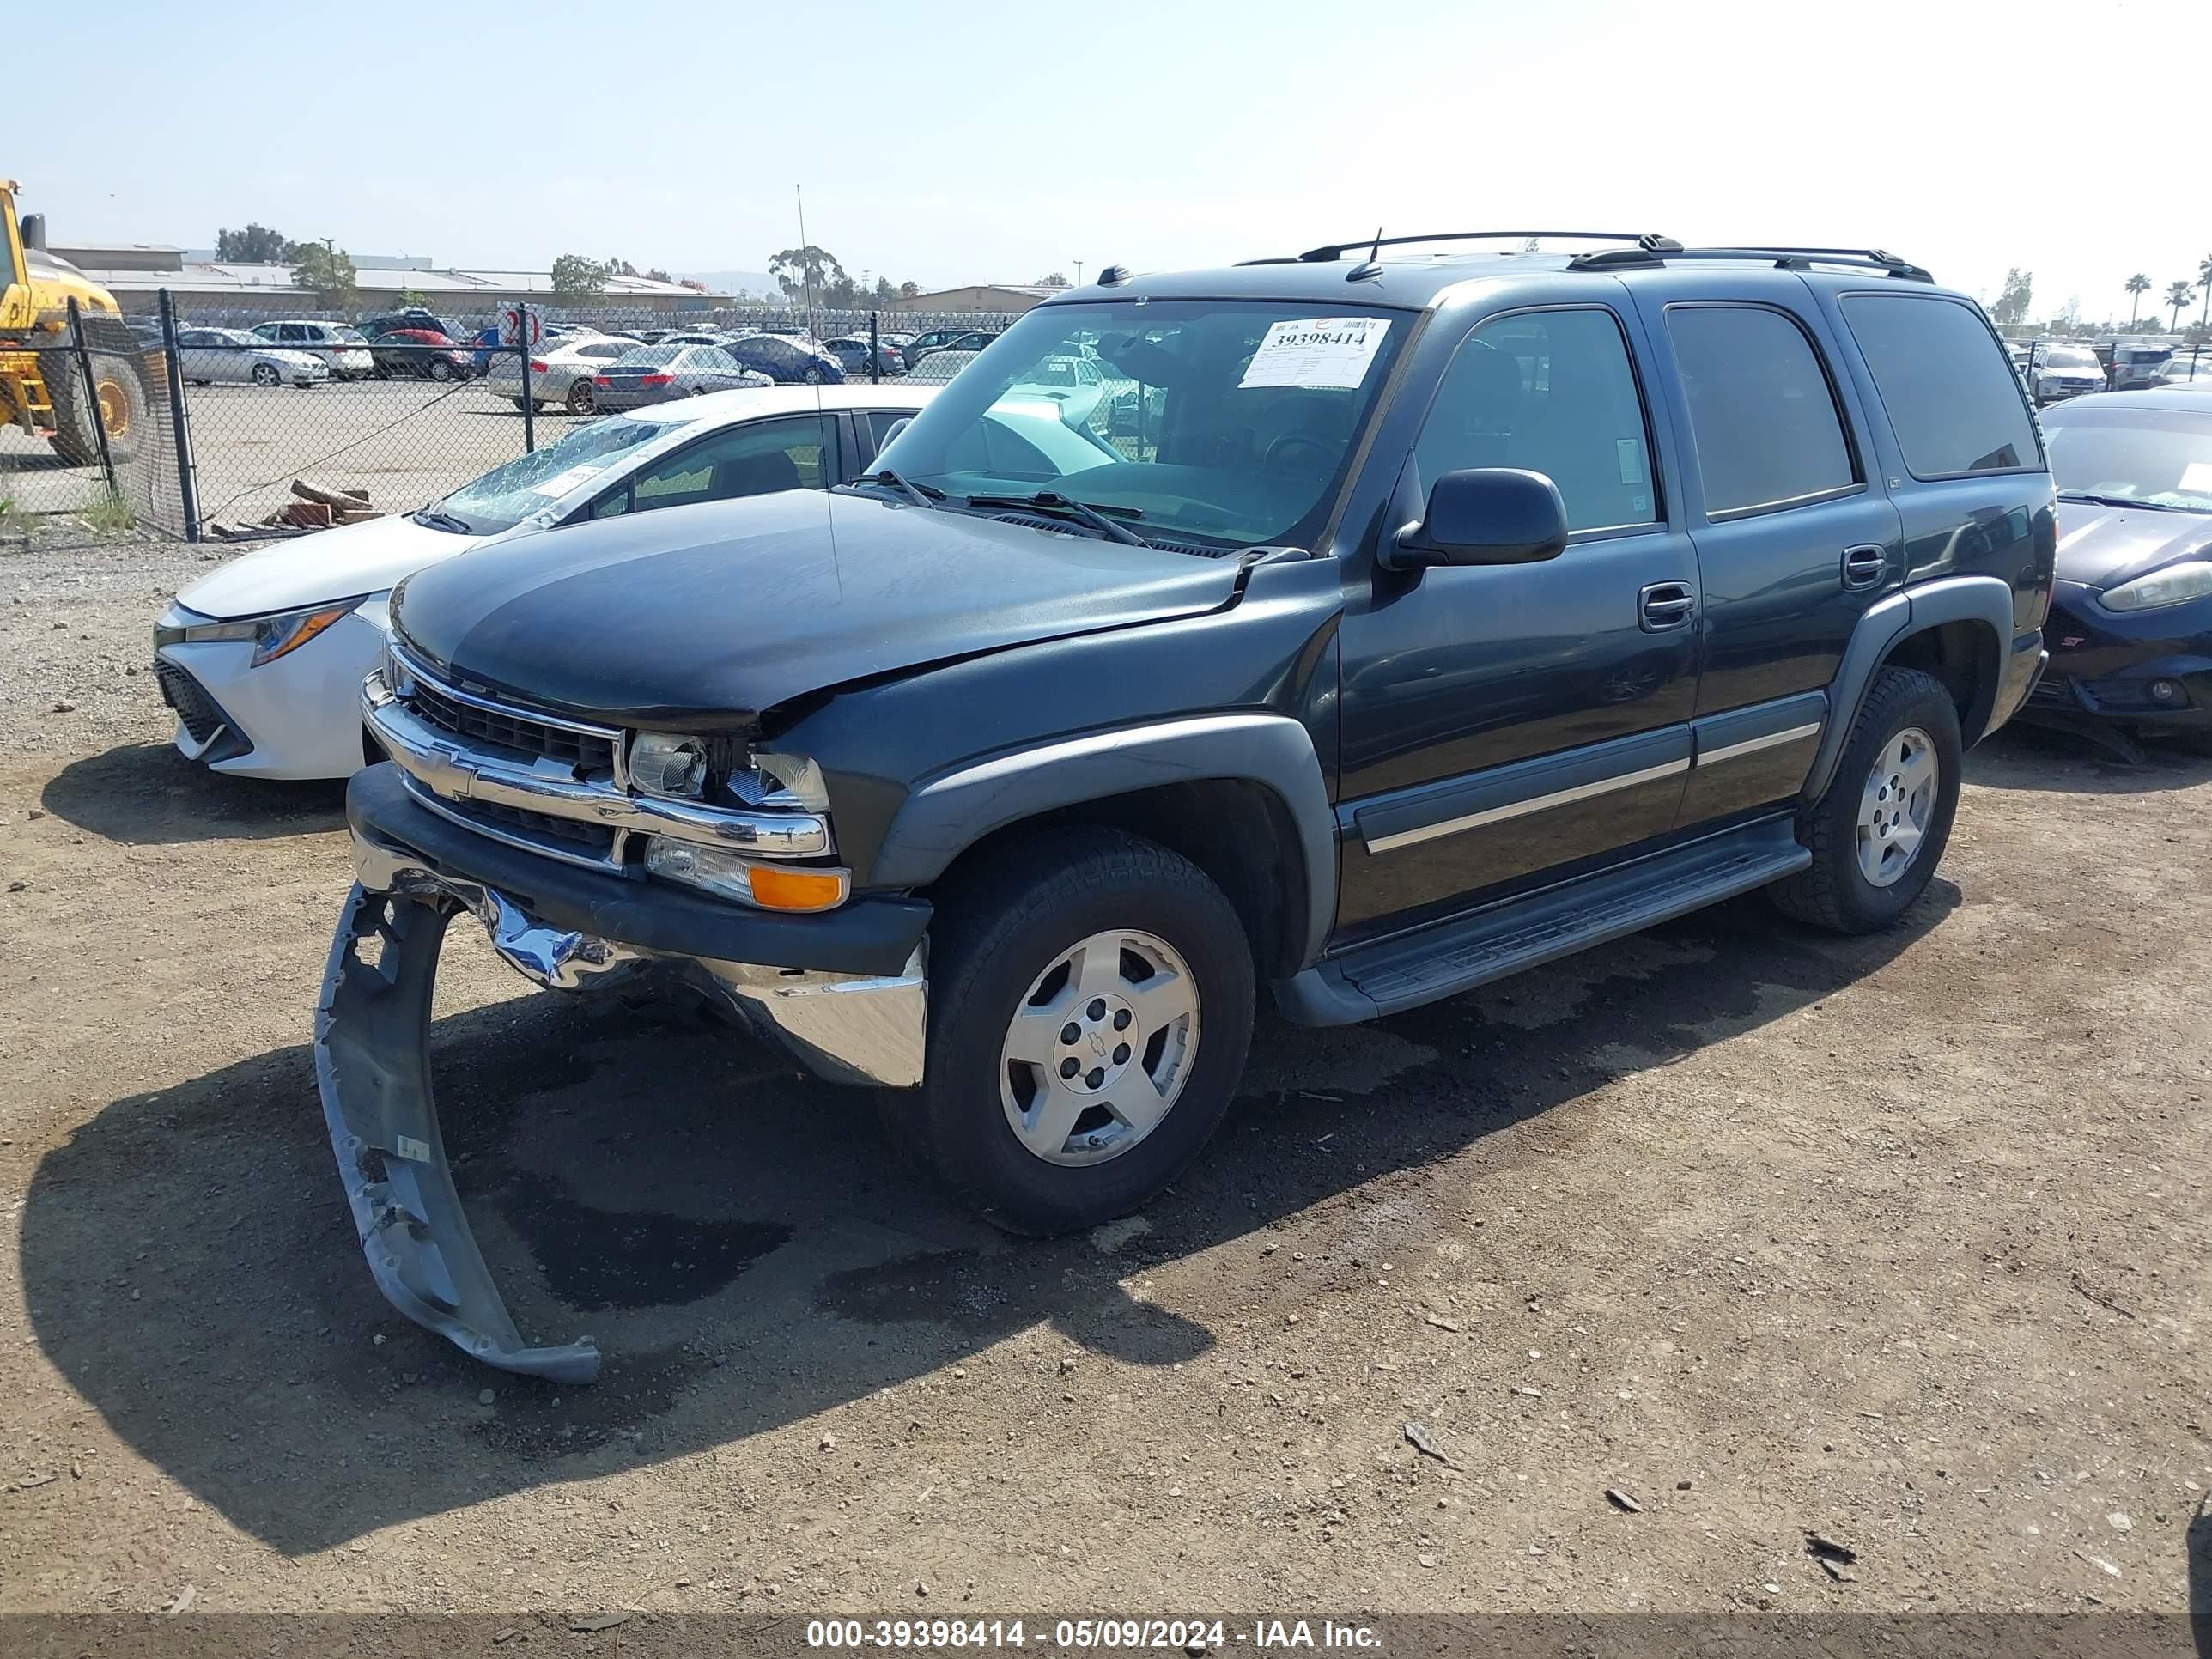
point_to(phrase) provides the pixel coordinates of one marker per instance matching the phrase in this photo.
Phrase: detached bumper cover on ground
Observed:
(373, 1024)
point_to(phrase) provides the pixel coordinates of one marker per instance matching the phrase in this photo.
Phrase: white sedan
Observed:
(262, 658)
(206, 356)
(560, 373)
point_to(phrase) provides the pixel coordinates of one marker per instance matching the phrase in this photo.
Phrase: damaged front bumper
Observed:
(853, 1022)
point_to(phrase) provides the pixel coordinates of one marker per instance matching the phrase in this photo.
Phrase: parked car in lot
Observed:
(2185, 368)
(1442, 625)
(2131, 366)
(419, 354)
(212, 356)
(408, 317)
(851, 351)
(560, 374)
(785, 360)
(343, 348)
(2130, 627)
(2060, 371)
(946, 339)
(262, 659)
(655, 374)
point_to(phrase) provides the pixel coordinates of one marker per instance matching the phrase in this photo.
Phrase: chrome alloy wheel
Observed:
(1896, 806)
(1100, 1047)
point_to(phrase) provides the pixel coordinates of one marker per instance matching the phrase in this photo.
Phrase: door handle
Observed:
(1663, 605)
(1865, 566)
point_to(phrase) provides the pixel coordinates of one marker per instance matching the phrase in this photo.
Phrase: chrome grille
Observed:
(585, 750)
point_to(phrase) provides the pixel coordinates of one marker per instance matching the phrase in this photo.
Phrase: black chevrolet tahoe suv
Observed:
(1368, 627)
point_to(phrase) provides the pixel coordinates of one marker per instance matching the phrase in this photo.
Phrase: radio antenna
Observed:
(1371, 266)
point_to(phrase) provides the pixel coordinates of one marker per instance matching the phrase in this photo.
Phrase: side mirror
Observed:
(1484, 515)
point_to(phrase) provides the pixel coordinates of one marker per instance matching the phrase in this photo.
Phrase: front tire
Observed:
(1879, 830)
(441, 370)
(265, 375)
(1127, 945)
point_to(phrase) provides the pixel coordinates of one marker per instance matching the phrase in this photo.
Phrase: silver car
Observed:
(654, 374)
(206, 356)
(559, 374)
(343, 348)
(2065, 371)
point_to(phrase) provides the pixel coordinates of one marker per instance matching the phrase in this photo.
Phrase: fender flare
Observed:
(1909, 610)
(951, 811)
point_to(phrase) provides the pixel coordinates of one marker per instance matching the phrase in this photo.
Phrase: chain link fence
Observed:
(226, 424)
(102, 438)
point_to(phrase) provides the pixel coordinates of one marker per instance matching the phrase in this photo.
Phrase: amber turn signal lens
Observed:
(797, 889)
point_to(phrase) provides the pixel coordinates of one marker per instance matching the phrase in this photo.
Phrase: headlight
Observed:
(765, 886)
(2190, 580)
(664, 763)
(272, 636)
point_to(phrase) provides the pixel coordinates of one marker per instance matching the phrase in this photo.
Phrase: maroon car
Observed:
(419, 353)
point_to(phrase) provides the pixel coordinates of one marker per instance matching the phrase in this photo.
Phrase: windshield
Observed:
(2150, 456)
(2069, 357)
(507, 494)
(1229, 423)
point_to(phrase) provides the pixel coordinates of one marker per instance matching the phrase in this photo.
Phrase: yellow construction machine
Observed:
(42, 384)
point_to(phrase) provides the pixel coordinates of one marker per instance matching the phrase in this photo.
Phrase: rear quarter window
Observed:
(1950, 395)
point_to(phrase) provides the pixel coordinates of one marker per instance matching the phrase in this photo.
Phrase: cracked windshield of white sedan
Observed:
(1205, 423)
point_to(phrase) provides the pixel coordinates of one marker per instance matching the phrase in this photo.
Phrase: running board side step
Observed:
(1446, 957)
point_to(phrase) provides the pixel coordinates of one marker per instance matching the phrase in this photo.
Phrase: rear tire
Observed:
(579, 401)
(1864, 875)
(1180, 970)
(441, 370)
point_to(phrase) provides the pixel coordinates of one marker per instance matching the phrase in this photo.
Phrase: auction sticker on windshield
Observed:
(561, 482)
(1317, 351)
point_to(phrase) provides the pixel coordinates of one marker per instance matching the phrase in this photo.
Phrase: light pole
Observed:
(1079, 273)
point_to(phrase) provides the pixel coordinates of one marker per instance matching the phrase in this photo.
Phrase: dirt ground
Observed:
(1901, 1240)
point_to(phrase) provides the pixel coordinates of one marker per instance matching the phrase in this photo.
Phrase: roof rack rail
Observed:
(1333, 250)
(1783, 258)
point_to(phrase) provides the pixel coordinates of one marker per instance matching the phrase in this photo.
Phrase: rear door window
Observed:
(1950, 395)
(1762, 412)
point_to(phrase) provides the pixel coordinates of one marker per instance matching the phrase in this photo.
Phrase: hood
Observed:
(703, 616)
(2102, 547)
(331, 564)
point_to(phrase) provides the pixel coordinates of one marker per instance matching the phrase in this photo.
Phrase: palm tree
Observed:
(2204, 282)
(2138, 285)
(2177, 295)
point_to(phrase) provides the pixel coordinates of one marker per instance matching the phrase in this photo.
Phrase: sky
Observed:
(961, 142)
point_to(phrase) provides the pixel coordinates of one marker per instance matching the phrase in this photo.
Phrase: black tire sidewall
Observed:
(1901, 699)
(966, 1125)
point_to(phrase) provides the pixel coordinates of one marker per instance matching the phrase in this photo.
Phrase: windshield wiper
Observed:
(433, 519)
(919, 494)
(1051, 500)
(2118, 500)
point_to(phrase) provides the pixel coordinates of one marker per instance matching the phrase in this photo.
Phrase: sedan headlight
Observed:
(2191, 579)
(272, 636)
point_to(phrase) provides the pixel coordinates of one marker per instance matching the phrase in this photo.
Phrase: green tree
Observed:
(257, 245)
(909, 290)
(575, 278)
(1055, 280)
(800, 271)
(328, 273)
(411, 300)
(2137, 286)
(2011, 308)
(2177, 295)
(2204, 282)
